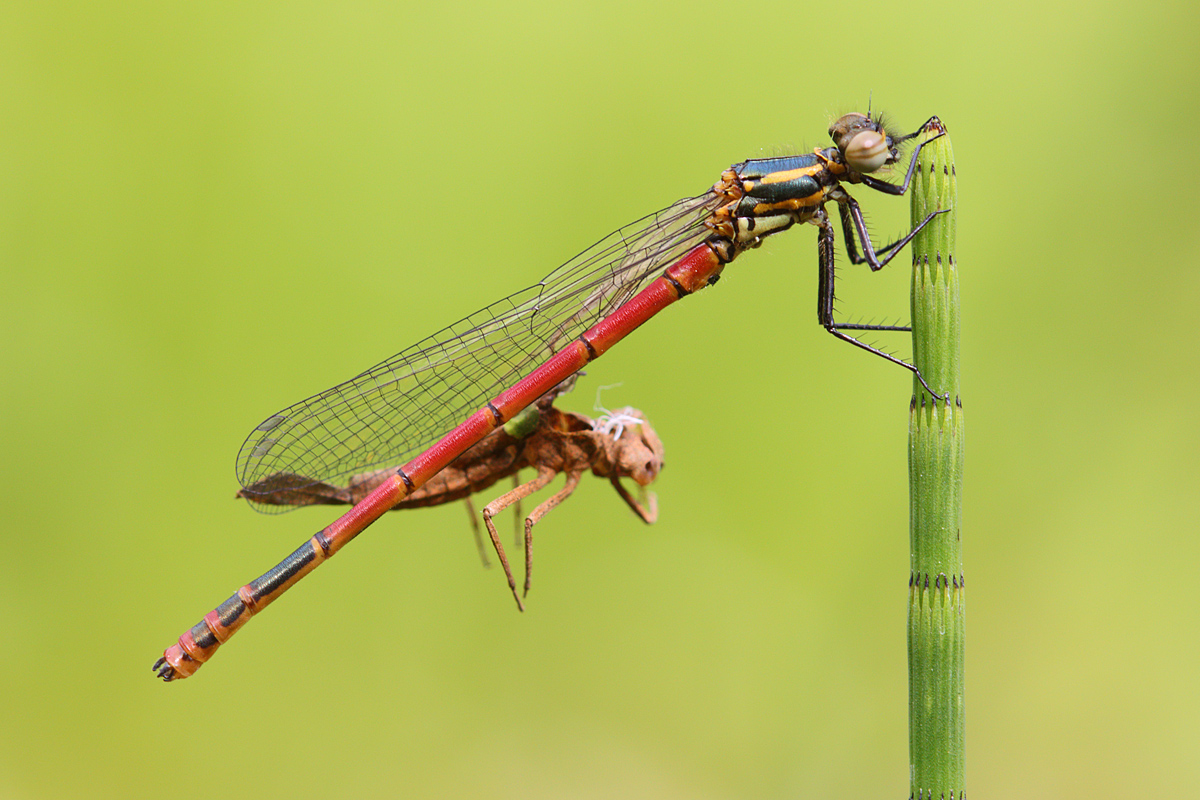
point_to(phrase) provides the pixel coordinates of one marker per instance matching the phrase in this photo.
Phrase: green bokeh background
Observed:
(210, 211)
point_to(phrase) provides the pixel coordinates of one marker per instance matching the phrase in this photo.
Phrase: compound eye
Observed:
(867, 151)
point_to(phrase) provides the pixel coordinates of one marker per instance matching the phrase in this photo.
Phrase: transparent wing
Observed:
(401, 406)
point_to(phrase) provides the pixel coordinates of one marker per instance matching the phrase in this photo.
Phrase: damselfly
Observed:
(416, 407)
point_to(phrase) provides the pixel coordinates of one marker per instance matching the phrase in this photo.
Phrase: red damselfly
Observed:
(427, 405)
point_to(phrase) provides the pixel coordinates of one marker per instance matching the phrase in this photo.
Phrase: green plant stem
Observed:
(937, 597)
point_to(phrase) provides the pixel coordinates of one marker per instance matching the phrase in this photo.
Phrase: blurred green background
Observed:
(209, 212)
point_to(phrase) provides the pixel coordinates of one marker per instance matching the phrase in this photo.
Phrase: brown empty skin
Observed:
(560, 442)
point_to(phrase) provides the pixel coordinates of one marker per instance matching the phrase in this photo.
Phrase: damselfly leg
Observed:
(854, 231)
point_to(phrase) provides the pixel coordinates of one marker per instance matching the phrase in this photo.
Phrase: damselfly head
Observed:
(864, 143)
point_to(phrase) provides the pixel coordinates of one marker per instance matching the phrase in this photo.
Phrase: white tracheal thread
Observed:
(610, 421)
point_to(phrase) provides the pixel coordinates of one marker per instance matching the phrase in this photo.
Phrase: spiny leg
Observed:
(848, 228)
(921, 129)
(544, 476)
(852, 220)
(825, 297)
(538, 513)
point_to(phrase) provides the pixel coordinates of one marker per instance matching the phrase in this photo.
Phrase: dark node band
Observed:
(407, 480)
(592, 354)
(679, 290)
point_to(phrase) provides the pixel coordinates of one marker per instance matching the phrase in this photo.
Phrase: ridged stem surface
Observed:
(937, 595)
